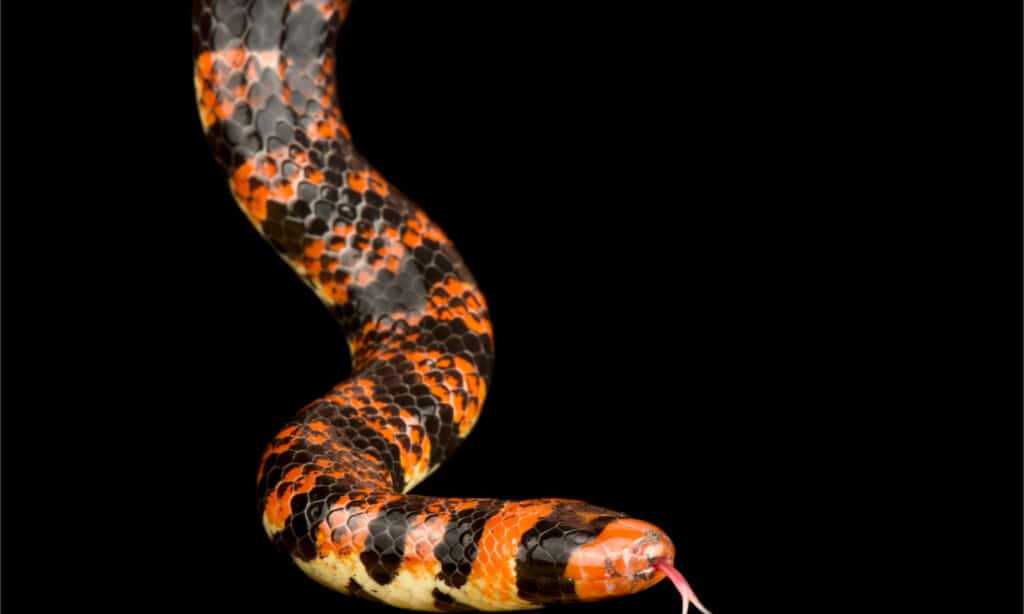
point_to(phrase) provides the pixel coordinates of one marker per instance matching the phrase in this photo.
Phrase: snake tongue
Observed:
(681, 584)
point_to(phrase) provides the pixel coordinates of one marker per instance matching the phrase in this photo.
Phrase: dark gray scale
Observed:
(225, 24)
(385, 546)
(457, 551)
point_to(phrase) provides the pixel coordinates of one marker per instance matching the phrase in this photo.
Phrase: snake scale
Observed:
(332, 482)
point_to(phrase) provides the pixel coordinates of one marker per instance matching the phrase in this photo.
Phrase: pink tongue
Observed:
(682, 585)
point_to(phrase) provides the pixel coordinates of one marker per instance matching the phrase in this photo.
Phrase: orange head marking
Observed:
(620, 560)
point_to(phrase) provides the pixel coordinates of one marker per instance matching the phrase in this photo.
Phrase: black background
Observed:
(733, 258)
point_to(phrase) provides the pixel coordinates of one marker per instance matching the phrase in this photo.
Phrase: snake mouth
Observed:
(647, 573)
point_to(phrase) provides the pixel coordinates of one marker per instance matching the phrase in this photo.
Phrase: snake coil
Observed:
(331, 482)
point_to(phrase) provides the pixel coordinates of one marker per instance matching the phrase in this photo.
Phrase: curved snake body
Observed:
(331, 482)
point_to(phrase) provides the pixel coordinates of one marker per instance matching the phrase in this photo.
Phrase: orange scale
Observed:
(267, 168)
(224, 108)
(325, 131)
(235, 57)
(464, 365)
(209, 98)
(339, 293)
(292, 474)
(411, 239)
(315, 248)
(205, 63)
(358, 181)
(311, 267)
(282, 190)
(252, 71)
(378, 184)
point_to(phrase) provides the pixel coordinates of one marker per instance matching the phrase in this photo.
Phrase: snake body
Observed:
(331, 483)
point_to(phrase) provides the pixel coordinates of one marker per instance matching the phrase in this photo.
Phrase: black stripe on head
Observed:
(459, 548)
(545, 549)
(385, 545)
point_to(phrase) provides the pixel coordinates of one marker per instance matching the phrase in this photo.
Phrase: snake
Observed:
(333, 484)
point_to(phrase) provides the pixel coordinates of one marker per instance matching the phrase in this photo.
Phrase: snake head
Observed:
(620, 560)
(587, 553)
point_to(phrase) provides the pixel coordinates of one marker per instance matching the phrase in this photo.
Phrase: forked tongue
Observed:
(682, 585)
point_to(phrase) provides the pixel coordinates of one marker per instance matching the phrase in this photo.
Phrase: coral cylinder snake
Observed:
(331, 483)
